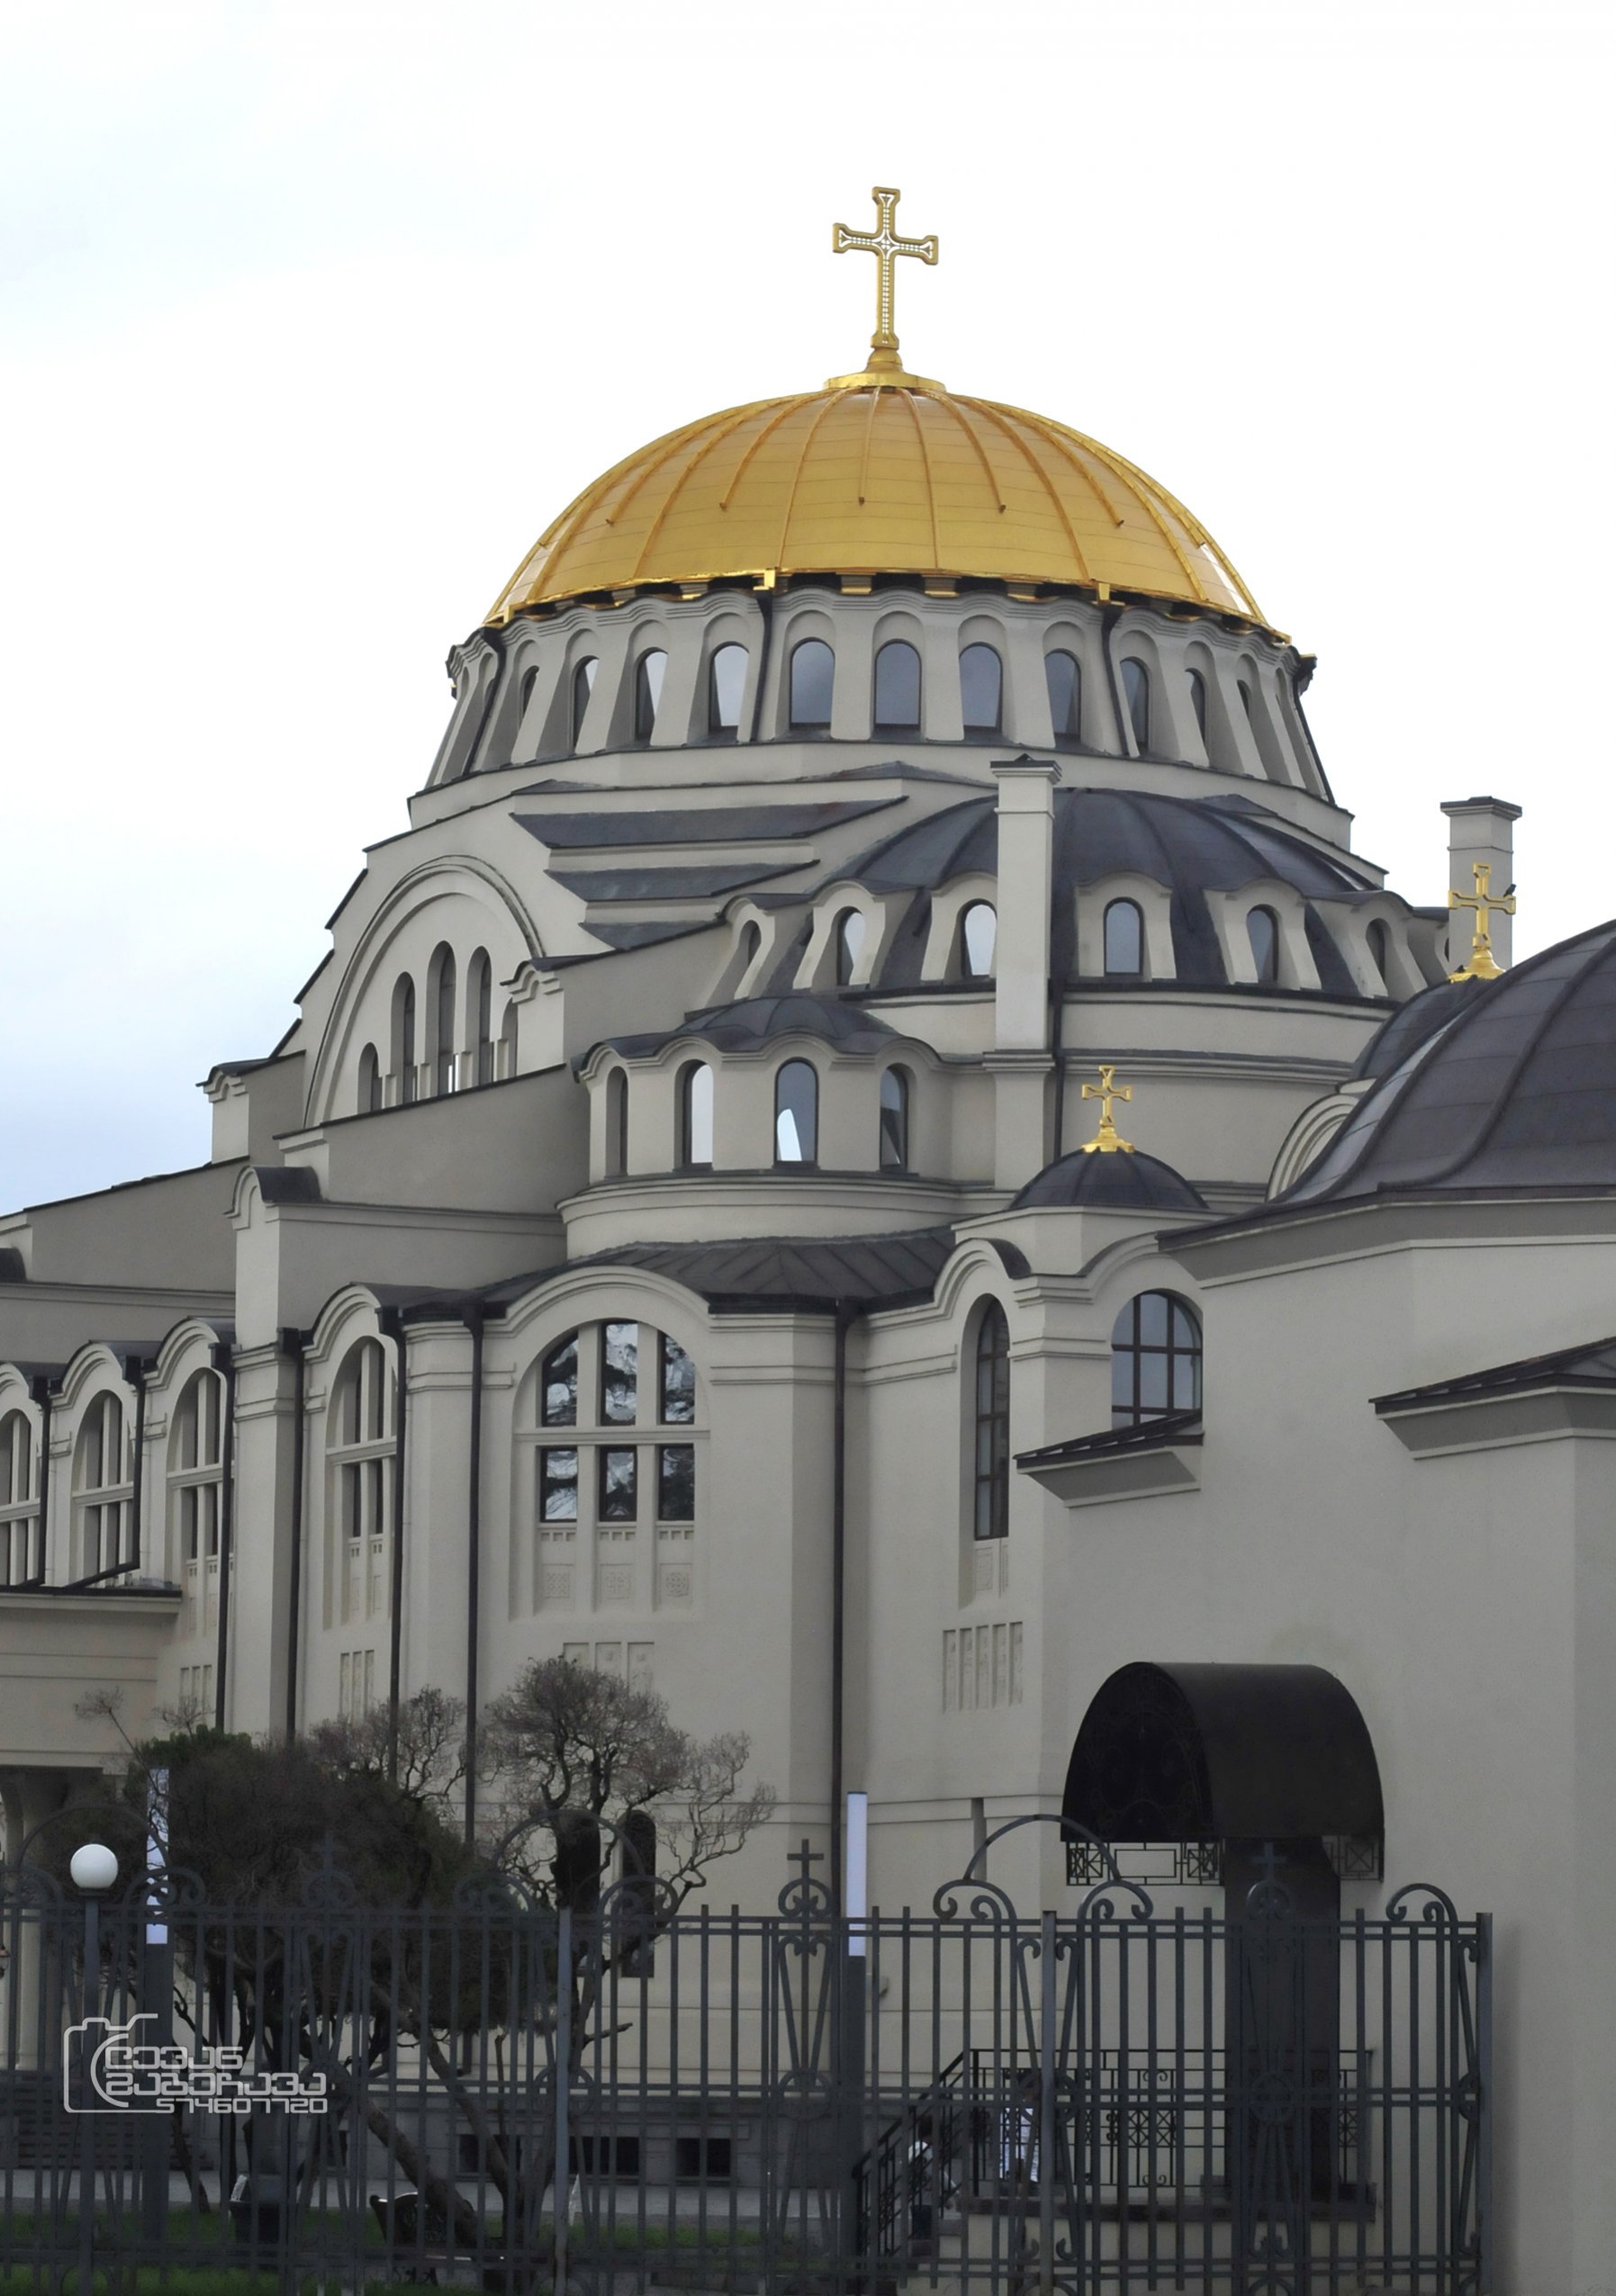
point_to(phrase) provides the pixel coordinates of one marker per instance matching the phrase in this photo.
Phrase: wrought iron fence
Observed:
(500, 2095)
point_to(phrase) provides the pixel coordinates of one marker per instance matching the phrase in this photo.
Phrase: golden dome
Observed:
(878, 474)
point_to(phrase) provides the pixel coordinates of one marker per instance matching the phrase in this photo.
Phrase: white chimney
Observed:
(1479, 829)
(1020, 1059)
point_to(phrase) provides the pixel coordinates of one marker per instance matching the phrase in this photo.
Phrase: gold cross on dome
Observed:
(885, 243)
(1108, 1140)
(1481, 964)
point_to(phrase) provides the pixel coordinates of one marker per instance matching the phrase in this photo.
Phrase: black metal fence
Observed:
(500, 2095)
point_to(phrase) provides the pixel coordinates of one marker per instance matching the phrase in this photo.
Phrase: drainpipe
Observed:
(224, 1361)
(291, 1348)
(137, 1368)
(844, 1312)
(473, 1568)
(393, 1327)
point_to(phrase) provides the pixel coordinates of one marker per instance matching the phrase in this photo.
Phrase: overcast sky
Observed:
(314, 315)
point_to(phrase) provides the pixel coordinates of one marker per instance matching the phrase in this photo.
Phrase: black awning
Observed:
(1218, 1753)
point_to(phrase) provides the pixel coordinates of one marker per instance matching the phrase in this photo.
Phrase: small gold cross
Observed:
(1108, 1140)
(886, 246)
(1481, 964)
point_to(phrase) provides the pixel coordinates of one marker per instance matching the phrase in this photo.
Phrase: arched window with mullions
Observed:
(1155, 1359)
(616, 1124)
(990, 1458)
(895, 1119)
(812, 679)
(370, 1081)
(981, 688)
(897, 689)
(444, 982)
(1262, 931)
(104, 1488)
(360, 1454)
(726, 687)
(20, 1557)
(850, 929)
(1136, 693)
(649, 673)
(979, 939)
(1064, 677)
(797, 1113)
(584, 685)
(696, 1114)
(479, 1013)
(195, 1481)
(1124, 938)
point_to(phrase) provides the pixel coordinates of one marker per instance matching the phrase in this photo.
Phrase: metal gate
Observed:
(508, 2097)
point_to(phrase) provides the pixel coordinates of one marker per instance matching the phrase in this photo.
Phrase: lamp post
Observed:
(94, 1869)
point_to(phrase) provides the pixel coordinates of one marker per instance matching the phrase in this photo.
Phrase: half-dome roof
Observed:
(1121, 1180)
(1412, 1024)
(1517, 1091)
(873, 479)
(757, 1021)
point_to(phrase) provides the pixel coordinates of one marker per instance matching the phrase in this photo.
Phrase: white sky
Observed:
(314, 314)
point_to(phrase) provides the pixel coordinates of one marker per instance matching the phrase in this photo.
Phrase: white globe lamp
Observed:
(94, 1867)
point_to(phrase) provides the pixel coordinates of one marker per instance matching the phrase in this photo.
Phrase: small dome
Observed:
(875, 478)
(1517, 1091)
(1123, 1181)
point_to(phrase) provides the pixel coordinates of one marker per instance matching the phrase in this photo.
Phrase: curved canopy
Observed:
(1210, 1754)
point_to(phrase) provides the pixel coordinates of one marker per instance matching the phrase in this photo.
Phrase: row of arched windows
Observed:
(439, 1051)
(796, 1117)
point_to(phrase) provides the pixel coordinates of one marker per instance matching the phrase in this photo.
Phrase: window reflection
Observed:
(1136, 693)
(812, 679)
(897, 689)
(1065, 681)
(726, 685)
(979, 936)
(797, 1113)
(1124, 937)
(981, 688)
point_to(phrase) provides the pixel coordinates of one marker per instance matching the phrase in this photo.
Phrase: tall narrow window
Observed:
(1155, 1359)
(979, 938)
(1065, 681)
(361, 1454)
(104, 1481)
(1380, 950)
(648, 674)
(797, 1113)
(895, 1119)
(525, 695)
(1197, 700)
(1136, 693)
(992, 1450)
(897, 689)
(559, 1384)
(508, 1039)
(620, 1373)
(404, 1037)
(813, 676)
(1262, 931)
(195, 1479)
(370, 1081)
(696, 1114)
(20, 1556)
(1247, 703)
(443, 1022)
(618, 1493)
(675, 1384)
(726, 687)
(981, 688)
(616, 1124)
(850, 945)
(1124, 937)
(584, 685)
(480, 1012)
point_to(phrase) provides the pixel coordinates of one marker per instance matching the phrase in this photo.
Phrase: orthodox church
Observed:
(872, 1157)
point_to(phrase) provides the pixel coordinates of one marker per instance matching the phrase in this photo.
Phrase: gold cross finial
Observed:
(886, 245)
(1481, 964)
(1108, 1140)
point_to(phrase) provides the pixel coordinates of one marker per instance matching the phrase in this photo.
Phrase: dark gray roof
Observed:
(1590, 1363)
(1119, 1181)
(759, 1019)
(1149, 1434)
(705, 882)
(764, 1271)
(1517, 1092)
(12, 1270)
(287, 1184)
(716, 825)
(1412, 1024)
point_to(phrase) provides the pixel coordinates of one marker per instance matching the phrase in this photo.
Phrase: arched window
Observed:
(104, 1488)
(21, 1558)
(404, 1037)
(360, 1451)
(443, 1021)
(813, 679)
(1124, 937)
(507, 1040)
(895, 1119)
(897, 689)
(616, 1124)
(1197, 700)
(370, 1081)
(1247, 702)
(850, 930)
(525, 694)
(1065, 681)
(584, 685)
(726, 685)
(979, 937)
(195, 1478)
(1136, 693)
(1262, 931)
(991, 1456)
(649, 671)
(981, 688)
(1155, 1359)
(1380, 950)
(797, 1113)
(752, 940)
(479, 1000)
(696, 1112)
